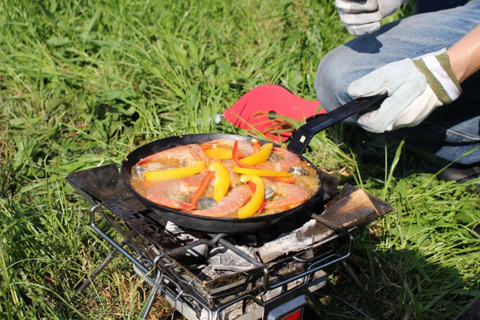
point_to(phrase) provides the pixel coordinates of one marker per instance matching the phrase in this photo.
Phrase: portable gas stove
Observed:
(267, 274)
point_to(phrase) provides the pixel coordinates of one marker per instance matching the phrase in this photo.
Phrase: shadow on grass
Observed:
(370, 150)
(403, 283)
(421, 260)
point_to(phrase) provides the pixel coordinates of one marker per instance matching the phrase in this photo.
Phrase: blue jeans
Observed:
(451, 130)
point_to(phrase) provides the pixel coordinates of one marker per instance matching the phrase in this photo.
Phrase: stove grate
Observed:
(268, 273)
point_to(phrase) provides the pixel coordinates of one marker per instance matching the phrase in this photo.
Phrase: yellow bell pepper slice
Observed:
(260, 156)
(219, 153)
(165, 175)
(222, 182)
(255, 202)
(261, 173)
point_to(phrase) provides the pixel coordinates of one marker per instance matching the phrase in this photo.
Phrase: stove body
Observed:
(267, 274)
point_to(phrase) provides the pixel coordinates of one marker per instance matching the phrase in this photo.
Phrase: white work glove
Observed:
(364, 16)
(415, 88)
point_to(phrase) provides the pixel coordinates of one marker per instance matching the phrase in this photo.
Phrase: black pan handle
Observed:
(305, 133)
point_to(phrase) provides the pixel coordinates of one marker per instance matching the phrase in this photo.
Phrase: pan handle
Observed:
(305, 133)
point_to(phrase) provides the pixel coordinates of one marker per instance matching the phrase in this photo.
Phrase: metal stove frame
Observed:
(158, 268)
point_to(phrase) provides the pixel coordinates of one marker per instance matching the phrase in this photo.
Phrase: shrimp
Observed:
(289, 159)
(245, 147)
(230, 205)
(290, 195)
(181, 156)
(176, 193)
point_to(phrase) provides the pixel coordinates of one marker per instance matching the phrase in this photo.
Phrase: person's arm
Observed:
(465, 55)
(418, 86)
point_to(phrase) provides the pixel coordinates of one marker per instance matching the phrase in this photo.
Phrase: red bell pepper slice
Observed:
(206, 146)
(284, 179)
(201, 189)
(236, 157)
(256, 146)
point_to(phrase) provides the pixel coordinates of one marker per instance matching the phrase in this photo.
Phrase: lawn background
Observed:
(83, 83)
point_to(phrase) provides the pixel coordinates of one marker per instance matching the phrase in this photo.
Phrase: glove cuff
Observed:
(440, 76)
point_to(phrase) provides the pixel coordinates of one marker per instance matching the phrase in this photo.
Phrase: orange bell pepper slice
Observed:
(262, 173)
(165, 175)
(222, 183)
(260, 156)
(258, 197)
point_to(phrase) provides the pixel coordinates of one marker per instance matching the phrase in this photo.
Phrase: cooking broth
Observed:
(177, 193)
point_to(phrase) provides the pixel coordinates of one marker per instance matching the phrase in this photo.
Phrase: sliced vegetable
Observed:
(236, 157)
(262, 173)
(201, 189)
(219, 153)
(256, 145)
(206, 146)
(184, 206)
(258, 197)
(165, 175)
(284, 179)
(260, 156)
(222, 182)
(253, 187)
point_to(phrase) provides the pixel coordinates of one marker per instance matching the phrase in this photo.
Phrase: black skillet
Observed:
(297, 145)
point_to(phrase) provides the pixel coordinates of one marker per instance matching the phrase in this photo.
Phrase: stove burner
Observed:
(214, 274)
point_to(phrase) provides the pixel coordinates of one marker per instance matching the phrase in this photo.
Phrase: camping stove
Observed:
(267, 274)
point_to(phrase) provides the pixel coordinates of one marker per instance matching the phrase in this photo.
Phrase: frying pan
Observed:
(297, 145)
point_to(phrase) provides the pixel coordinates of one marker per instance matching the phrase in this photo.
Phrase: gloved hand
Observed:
(415, 88)
(360, 17)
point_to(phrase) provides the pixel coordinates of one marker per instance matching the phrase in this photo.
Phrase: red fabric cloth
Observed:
(252, 111)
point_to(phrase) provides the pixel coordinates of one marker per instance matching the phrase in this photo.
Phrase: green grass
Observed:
(83, 83)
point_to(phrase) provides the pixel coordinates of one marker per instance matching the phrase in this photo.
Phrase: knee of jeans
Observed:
(332, 79)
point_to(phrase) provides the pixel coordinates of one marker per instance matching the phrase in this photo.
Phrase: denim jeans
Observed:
(436, 5)
(451, 130)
